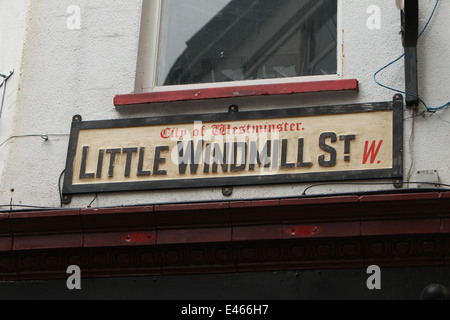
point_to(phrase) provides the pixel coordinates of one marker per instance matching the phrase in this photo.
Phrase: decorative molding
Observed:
(303, 254)
(269, 235)
(124, 100)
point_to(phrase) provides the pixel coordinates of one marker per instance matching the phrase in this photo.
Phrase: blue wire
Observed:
(429, 20)
(442, 118)
(394, 61)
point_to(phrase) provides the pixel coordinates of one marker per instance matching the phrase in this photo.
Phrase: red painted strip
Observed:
(191, 206)
(319, 200)
(444, 195)
(138, 237)
(400, 197)
(303, 231)
(194, 235)
(230, 92)
(401, 227)
(257, 232)
(254, 204)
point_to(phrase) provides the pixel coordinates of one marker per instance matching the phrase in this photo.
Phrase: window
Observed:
(204, 41)
(203, 49)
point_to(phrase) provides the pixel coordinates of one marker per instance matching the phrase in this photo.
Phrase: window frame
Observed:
(146, 90)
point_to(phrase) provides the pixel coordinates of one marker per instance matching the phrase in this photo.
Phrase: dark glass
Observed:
(246, 40)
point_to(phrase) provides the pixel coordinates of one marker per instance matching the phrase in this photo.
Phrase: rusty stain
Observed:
(343, 53)
(138, 237)
(304, 231)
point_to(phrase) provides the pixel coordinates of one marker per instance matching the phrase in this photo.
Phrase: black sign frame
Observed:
(395, 173)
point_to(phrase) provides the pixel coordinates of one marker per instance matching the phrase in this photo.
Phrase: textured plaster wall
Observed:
(13, 15)
(64, 72)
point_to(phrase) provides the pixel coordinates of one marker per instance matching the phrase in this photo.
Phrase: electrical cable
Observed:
(43, 136)
(411, 150)
(14, 137)
(304, 193)
(26, 206)
(60, 189)
(60, 197)
(372, 183)
(442, 118)
(429, 109)
(95, 198)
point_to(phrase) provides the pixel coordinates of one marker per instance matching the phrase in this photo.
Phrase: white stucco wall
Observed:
(64, 72)
(13, 15)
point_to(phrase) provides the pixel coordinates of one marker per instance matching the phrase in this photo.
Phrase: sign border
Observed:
(396, 172)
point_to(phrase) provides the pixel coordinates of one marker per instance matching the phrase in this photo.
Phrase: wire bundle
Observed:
(429, 109)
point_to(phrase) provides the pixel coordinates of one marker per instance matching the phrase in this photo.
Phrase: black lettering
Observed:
(129, 152)
(159, 160)
(101, 154)
(83, 174)
(191, 155)
(300, 162)
(347, 139)
(234, 167)
(327, 148)
(276, 150)
(140, 171)
(112, 160)
(284, 165)
(207, 158)
(220, 158)
(260, 158)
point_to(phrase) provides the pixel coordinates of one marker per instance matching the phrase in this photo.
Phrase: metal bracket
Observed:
(410, 35)
(410, 23)
(66, 198)
(227, 191)
(398, 183)
(3, 83)
(233, 109)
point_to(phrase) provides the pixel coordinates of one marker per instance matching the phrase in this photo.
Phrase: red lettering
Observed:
(165, 133)
(280, 127)
(182, 133)
(292, 126)
(219, 130)
(371, 152)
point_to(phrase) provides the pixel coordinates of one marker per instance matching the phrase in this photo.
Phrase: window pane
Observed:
(205, 41)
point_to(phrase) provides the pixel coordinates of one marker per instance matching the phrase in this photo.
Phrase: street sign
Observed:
(309, 144)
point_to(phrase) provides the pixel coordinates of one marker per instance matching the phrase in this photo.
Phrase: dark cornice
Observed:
(347, 231)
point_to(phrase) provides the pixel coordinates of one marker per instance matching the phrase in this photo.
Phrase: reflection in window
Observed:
(204, 41)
